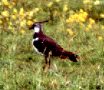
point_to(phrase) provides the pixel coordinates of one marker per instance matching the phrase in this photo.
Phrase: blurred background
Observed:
(77, 25)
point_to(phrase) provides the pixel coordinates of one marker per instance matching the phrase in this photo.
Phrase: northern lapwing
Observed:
(46, 46)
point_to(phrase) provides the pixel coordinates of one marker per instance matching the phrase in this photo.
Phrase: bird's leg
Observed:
(47, 61)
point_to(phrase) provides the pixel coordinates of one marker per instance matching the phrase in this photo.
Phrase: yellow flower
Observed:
(81, 11)
(23, 23)
(15, 11)
(10, 6)
(50, 4)
(36, 10)
(102, 15)
(70, 20)
(65, 8)
(22, 31)
(21, 12)
(10, 23)
(100, 38)
(79, 17)
(97, 2)
(5, 13)
(67, 20)
(58, 0)
(5, 2)
(13, 3)
(86, 1)
(7, 19)
(31, 13)
(91, 21)
(29, 22)
(87, 29)
(13, 17)
(102, 27)
(0, 3)
(70, 32)
(89, 26)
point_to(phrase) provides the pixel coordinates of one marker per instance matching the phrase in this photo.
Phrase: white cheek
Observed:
(36, 29)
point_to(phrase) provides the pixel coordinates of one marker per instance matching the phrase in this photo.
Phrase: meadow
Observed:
(77, 25)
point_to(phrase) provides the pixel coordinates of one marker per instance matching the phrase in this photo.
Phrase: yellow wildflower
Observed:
(58, 0)
(102, 27)
(5, 13)
(13, 3)
(70, 32)
(15, 11)
(23, 23)
(86, 1)
(83, 14)
(89, 26)
(91, 21)
(31, 14)
(7, 19)
(81, 11)
(22, 31)
(10, 6)
(67, 20)
(102, 15)
(10, 23)
(13, 17)
(81, 19)
(0, 3)
(78, 17)
(100, 38)
(97, 2)
(36, 10)
(21, 12)
(5, 2)
(29, 22)
(65, 8)
(50, 4)
(70, 20)
(87, 29)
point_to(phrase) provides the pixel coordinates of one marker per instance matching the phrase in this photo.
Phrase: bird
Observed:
(48, 47)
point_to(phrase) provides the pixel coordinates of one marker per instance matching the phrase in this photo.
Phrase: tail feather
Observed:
(70, 55)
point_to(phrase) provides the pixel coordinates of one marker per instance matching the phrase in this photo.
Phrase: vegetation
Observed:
(77, 27)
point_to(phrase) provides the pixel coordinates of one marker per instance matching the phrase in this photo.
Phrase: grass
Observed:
(21, 66)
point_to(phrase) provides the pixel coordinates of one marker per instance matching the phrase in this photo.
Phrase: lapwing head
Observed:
(37, 26)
